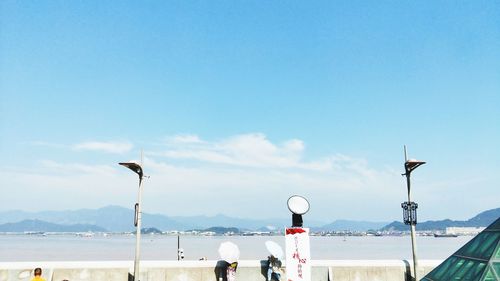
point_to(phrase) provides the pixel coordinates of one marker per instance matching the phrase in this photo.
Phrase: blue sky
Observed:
(240, 104)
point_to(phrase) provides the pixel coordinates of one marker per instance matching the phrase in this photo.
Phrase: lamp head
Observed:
(412, 164)
(136, 168)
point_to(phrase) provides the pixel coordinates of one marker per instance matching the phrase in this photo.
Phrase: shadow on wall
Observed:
(264, 265)
(408, 276)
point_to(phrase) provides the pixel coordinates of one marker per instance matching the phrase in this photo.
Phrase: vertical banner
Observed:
(298, 254)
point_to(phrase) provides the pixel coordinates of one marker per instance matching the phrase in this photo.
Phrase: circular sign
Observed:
(298, 205)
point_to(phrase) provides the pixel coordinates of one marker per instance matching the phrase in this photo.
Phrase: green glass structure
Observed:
(478, 260)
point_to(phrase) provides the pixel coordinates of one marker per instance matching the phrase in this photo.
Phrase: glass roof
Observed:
(478, 260)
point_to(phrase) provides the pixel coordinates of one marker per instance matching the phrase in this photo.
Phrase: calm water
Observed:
(73, 248)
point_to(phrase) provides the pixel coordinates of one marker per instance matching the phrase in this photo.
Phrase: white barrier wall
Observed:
(334, 270)
(375, 270)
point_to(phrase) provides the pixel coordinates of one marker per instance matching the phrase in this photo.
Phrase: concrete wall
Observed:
(376, 270)
(335, 270)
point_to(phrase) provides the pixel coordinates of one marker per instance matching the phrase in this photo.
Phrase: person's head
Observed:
(38, 271)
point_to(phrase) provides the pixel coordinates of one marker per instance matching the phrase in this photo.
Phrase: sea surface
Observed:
(160, 247)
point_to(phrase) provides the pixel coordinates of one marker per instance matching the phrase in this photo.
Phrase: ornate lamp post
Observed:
(136, 168)
(410, 208)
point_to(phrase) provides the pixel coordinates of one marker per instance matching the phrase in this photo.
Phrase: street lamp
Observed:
(136, 168)
(410, 208)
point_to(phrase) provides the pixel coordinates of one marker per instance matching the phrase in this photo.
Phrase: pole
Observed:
(178, 247)
(138, 235)
(138, 228)
(412, 230)
(406, 155)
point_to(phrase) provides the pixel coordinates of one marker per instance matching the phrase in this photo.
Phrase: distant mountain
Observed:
(150, 230)
(120, 219)
(268, 228)
(485, 218)
(349, 225)
(482, 220)
(221, 230)
(38, 225)
(200, 222)
(162, 222)
(113, 218)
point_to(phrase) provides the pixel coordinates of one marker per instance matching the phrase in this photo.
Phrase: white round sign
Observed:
(298, 205)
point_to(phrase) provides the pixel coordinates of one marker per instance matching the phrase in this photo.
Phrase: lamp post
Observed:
(136, 168)
(410, 208)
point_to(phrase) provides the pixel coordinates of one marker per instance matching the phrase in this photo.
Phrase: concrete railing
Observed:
(254, 270)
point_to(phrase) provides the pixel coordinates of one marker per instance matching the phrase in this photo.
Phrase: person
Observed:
(273, 269)
(231, 271)
(38, 275)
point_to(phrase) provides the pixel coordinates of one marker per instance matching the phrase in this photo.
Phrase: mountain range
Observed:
(351, 225)
(481, 220)
(38, 225)
(111, 218)
(120, 219)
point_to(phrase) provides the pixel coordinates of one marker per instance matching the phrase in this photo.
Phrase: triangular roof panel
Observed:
(478, 260)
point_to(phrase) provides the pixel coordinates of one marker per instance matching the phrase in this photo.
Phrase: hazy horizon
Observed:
(311, 222)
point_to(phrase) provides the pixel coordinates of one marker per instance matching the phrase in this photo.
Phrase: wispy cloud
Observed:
(252, 150)
(192, 175)
(185, 138)
(257, 151)
(67, 185)
(77, 168)
(117, 147)
(347, 182)
(252, 161)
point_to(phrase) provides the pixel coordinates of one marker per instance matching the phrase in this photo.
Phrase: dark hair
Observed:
(38, 271)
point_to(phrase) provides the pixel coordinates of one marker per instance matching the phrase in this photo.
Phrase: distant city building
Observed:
(464, 230)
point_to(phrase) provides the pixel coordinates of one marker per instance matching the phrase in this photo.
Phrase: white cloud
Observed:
(252, 150)
(205, 188)
(294, 145)
(243, 175)
(249, 168)
(263, 163)
(118, 147)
